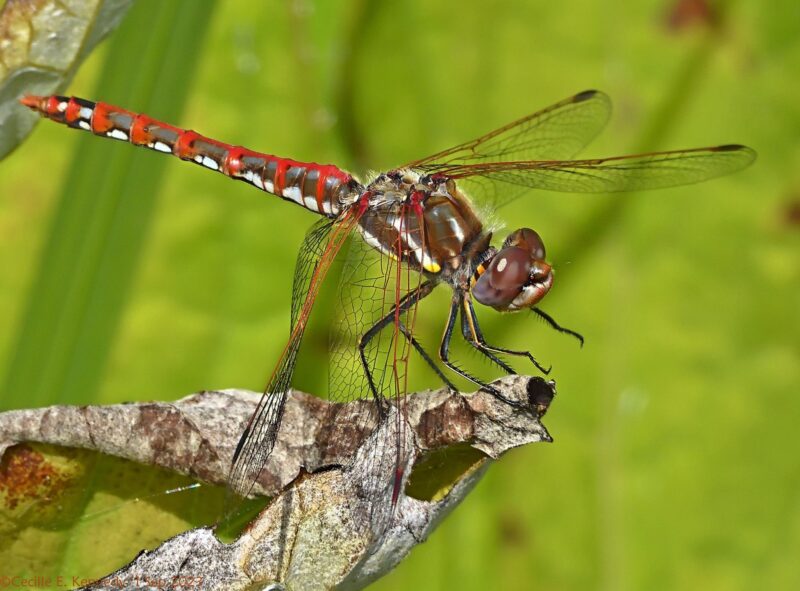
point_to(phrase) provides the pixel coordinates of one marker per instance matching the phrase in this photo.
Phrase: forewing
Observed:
(370, 354)
(655, 170)
(314, 244)
(366, 283)
(555, 133)
(372, 284)
(532, 152)
(320, 247)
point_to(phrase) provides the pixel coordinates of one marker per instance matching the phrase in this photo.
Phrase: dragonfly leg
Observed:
(474, 336)
(407, 302)
(444, 355)
(424, 354)
(471, 333)
(553, 324)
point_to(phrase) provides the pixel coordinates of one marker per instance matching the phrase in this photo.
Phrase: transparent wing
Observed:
(320, 247)
(557, 132)
(532, 152)
(365, 292)
(370, 350)
(367, 344)
(622, 173)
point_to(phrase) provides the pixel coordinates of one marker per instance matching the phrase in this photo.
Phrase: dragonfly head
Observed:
(517, 276)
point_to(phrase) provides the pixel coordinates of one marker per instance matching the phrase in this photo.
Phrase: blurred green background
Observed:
(127, 276)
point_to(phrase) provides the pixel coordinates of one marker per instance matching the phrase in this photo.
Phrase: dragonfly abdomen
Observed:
(322, 188)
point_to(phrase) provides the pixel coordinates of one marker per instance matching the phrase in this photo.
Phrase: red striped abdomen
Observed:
(322, 188)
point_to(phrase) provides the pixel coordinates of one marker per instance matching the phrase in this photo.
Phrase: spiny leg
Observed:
(471, 334)
(474, 332)
(369, 335)
(444, 347)
(407, 302)
(555, 325)
(444, 355)
(424, 354)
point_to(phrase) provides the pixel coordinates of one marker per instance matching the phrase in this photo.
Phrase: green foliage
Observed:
(102, 218)
(674, 463)
(75, 515)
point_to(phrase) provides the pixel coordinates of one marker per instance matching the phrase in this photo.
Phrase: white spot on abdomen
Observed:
(294, 194)
(118, 134)
(310, 203)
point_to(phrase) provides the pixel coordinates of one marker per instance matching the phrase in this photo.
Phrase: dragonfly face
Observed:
(518, 276)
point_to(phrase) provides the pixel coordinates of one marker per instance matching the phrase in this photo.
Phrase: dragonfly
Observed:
(404, 233)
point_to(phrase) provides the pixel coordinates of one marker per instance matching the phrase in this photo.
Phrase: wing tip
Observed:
(749, 153)
(585, 95)
(730, 148)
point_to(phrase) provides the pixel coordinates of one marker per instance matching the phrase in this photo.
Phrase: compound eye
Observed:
(510, 268)
(503, 279)
(529, 240)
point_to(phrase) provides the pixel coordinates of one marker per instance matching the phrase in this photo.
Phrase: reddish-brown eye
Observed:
(529, 240)
(503, 279)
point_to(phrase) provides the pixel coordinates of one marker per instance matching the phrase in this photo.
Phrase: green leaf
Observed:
(75, 515)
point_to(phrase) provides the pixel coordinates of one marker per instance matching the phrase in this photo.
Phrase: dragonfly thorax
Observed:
(427, 223)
